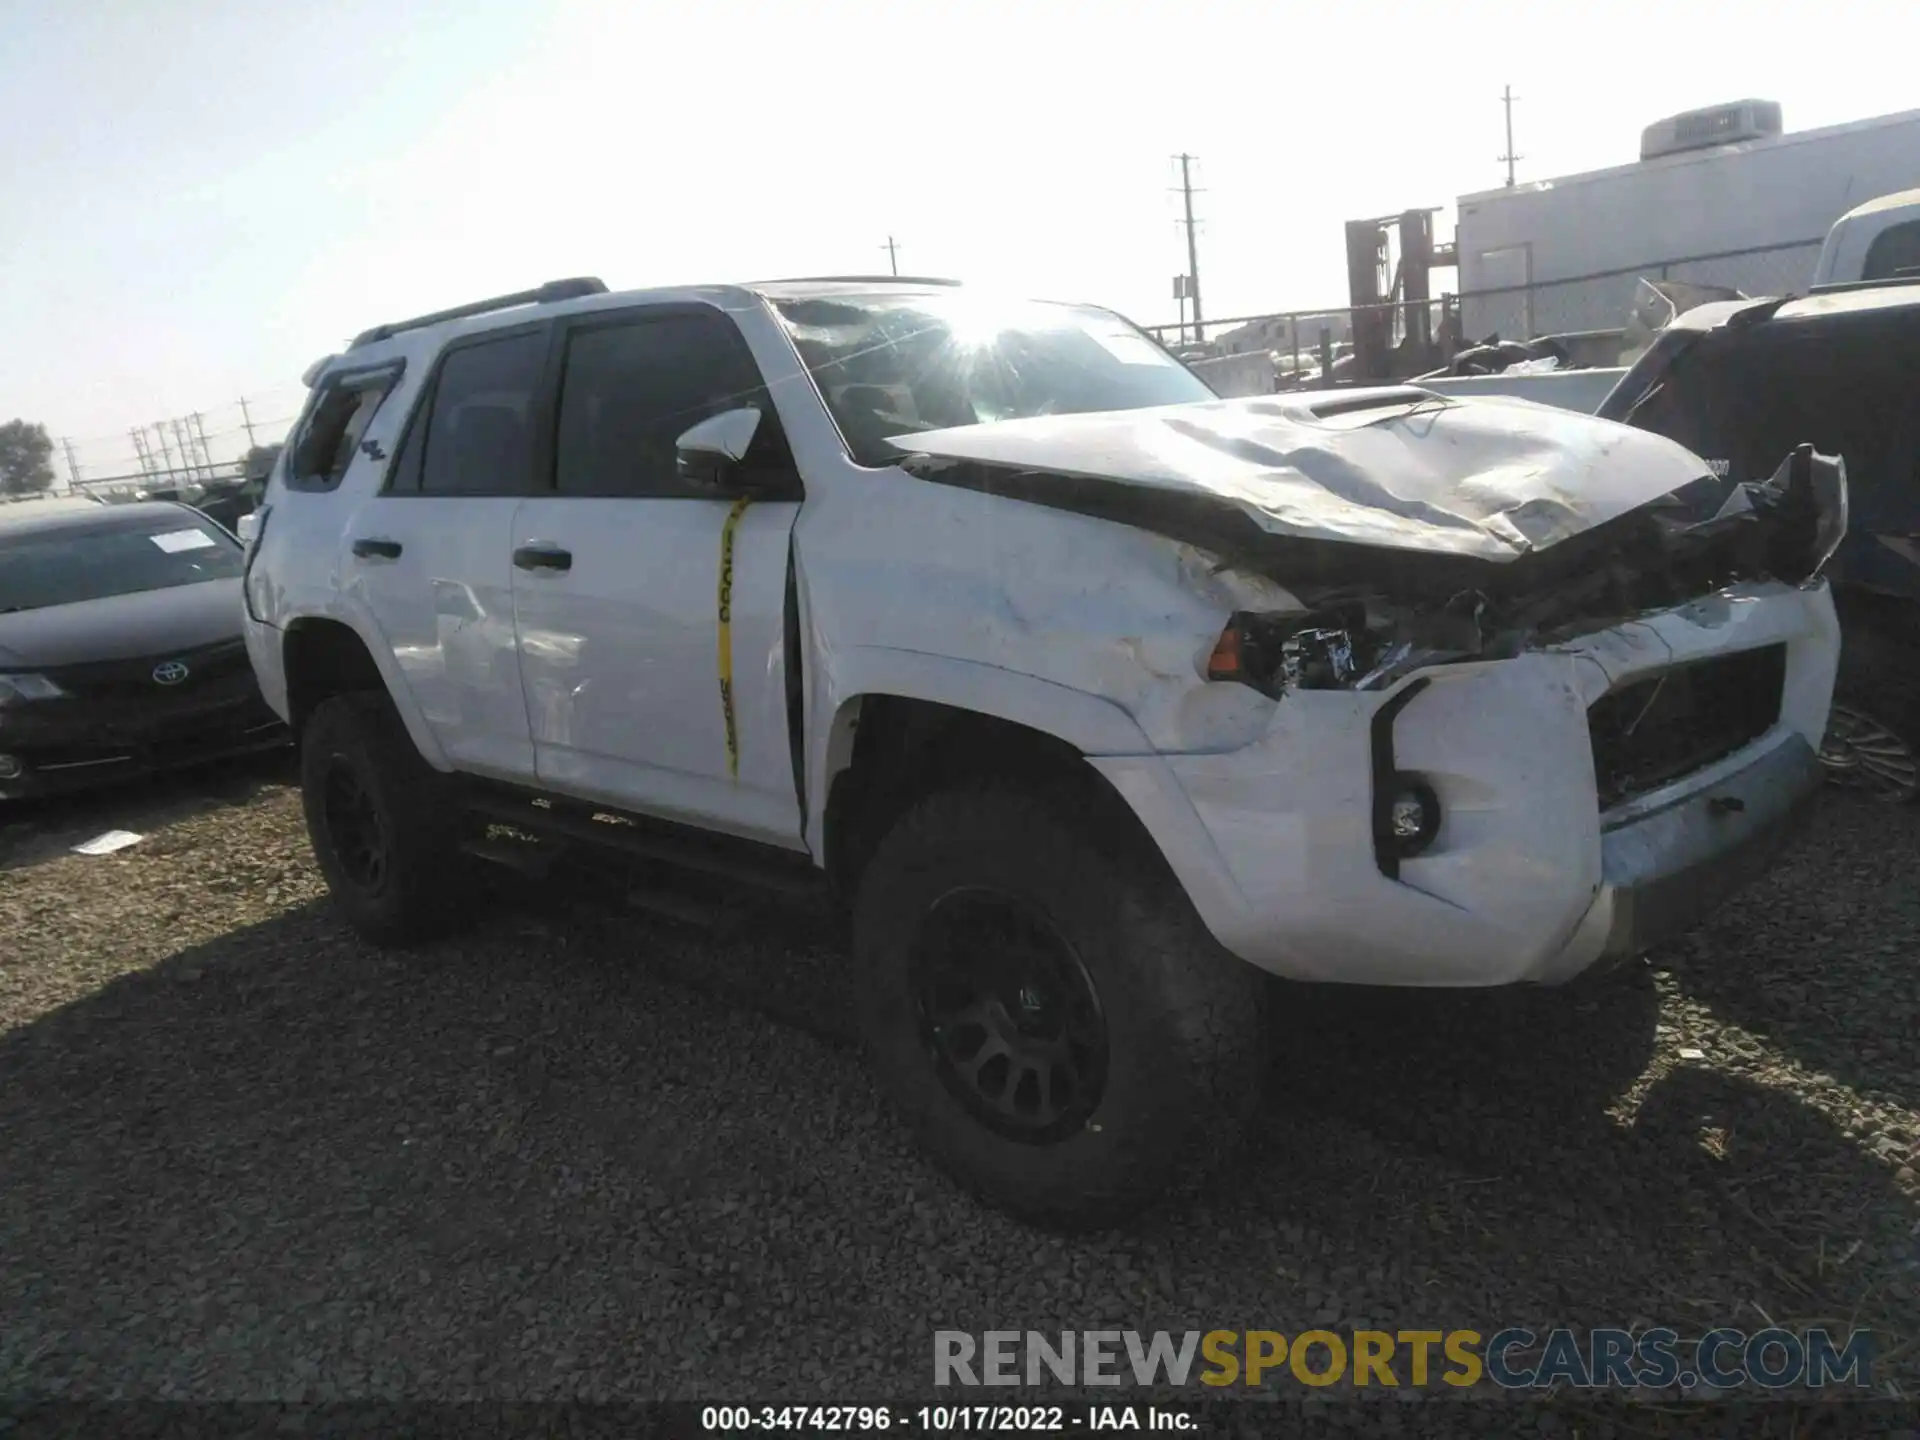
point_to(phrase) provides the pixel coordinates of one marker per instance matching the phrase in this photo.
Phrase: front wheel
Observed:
(1047, 1013)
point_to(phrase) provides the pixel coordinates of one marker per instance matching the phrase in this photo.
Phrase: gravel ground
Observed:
(597, 1156)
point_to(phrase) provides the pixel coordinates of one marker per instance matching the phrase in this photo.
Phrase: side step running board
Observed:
(526, 859)
(760, 866)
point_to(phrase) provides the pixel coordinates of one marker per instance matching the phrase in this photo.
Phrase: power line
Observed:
(1507, 97)
(243, 407)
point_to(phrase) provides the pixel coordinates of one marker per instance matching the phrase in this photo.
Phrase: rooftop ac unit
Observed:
(1703, 129)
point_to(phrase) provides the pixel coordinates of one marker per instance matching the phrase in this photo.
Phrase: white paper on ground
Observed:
(174, 541)
(108, 842)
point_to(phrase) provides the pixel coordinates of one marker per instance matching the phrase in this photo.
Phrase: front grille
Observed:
(1655, 730)
(114, 682)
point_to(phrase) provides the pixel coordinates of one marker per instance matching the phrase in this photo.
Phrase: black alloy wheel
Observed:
(361, 840)
(1010, 1016)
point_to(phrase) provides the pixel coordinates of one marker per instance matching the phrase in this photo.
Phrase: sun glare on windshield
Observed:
(976, 322)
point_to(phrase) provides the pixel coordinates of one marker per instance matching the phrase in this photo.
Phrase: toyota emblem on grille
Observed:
(169, 672)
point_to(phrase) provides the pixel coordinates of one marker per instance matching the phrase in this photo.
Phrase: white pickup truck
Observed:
(1099, 700)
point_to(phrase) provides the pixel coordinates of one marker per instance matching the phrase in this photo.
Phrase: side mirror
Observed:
(709, 454)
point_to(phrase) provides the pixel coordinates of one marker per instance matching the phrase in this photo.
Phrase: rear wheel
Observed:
(1872, 745)
(1047, 1012)
(385, 825)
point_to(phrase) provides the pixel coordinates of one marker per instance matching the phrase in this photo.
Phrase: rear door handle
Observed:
(377, 549)
(542, 557)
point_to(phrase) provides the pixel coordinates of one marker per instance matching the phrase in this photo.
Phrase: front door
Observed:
(626, 630)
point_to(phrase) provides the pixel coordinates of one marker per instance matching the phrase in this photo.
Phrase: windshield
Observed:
(889, 365)
(115, 555)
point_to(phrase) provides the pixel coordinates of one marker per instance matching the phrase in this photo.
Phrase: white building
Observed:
(1724, 198)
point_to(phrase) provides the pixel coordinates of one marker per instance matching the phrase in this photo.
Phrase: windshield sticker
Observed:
(174, 541)
(1129, 349)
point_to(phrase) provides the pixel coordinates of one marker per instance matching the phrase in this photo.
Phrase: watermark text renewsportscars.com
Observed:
(1510, 1359)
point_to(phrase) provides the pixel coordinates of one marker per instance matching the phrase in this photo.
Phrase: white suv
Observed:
(1097, 698)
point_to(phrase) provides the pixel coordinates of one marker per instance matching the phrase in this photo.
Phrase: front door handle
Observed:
(543, 557)
(368, 549)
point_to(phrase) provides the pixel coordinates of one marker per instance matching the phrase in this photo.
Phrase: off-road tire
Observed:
(1880, 679)
(1185, 1021)
(425, 890)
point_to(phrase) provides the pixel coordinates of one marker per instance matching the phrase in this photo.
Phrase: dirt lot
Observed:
(594, 1155)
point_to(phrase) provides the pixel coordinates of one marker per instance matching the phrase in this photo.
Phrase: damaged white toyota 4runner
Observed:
(1096, 698)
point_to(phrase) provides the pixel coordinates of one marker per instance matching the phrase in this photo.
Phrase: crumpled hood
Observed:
(1489, 478)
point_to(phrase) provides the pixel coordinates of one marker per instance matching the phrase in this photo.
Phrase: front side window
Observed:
(479, 436)
(889, 365)
(630, 390)
(115, 555)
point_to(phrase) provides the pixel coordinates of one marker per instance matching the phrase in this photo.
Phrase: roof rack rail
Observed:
(1906, 276)
(553, 291)
(863, 280)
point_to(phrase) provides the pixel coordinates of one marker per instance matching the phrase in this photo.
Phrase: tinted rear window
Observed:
(113, 557)
(479, 437)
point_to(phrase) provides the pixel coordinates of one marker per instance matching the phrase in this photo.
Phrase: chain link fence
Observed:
(1595, 305)
(1602, 300)
(1297, 347)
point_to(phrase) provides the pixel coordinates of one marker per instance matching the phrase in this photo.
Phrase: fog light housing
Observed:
(1410, 817)
(12, 767)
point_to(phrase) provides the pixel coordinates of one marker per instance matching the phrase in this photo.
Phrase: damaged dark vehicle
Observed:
(1743, 385)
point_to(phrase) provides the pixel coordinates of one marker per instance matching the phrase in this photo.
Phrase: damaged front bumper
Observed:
(1569, 832)
(1665, 866)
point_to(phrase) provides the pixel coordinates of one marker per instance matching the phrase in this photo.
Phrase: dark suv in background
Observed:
(1742, 383)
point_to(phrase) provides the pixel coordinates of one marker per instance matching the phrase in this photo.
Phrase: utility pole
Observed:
(160, 430)
(246, 419)
(1507, 98)
(893, 253)
(186, 455)
(199, 428)
(1193, 246)
(73, 465)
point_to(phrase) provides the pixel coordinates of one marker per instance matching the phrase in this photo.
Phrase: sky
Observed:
(201, 197)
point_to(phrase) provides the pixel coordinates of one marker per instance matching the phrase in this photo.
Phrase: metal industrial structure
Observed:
(1721, 197)
(1724, 196)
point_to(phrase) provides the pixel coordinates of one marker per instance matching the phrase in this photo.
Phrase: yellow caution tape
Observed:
(726, 634)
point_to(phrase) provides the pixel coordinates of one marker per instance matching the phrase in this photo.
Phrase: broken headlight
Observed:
(1322, 650)
(1351, 647)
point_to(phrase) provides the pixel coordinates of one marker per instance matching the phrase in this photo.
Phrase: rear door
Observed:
(652, 684)
(430, 552)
